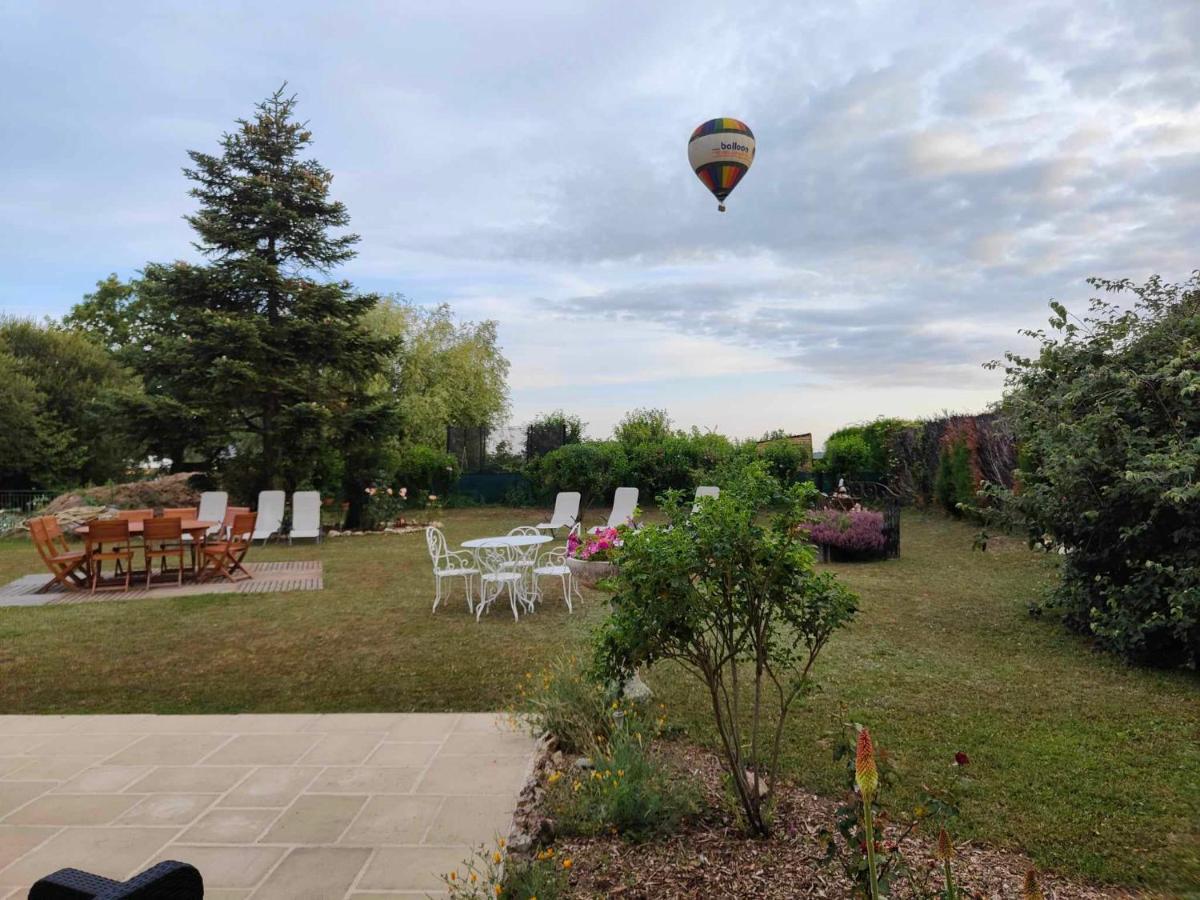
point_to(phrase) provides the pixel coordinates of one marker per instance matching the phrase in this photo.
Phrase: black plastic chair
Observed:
(169, 880)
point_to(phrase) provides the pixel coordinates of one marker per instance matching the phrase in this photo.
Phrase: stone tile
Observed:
(314, 873)
(395, 819)
(190, 780)
(227, 867)
(365, 780)
(271, 786)
(168, 749)
(103, 780)
(20, 744)
(412, 868)
(14, 763)
(73, 809)
(168, 809)
(314, 819)
(263, 750)
(342, 749)
(51, 768)
(501, 775)
(406, 755)
(92, 745)
(422, 727)
(112, 852)
(485, 722)
(345, 723)
(39, 724)
(471, 820)
(226, 894)
(229, 826)
(17, 840)
(14, 794)
(487, 743)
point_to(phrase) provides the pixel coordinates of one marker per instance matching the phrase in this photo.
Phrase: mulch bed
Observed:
(712, 857)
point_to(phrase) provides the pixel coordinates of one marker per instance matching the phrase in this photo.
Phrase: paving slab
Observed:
(333, 806)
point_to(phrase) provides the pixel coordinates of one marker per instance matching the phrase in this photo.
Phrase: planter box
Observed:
(587, 572)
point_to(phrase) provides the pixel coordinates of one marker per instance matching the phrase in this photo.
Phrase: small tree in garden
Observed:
(1107, 415)
(730, 593)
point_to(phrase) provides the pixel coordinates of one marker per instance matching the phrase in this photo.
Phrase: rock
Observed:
(584, 764)
(637, 690)
(520, 842)
(546, 828)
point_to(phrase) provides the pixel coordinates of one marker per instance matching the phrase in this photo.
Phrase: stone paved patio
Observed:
(266, 806)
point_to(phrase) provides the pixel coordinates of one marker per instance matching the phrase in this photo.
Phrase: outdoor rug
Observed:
(299, 575)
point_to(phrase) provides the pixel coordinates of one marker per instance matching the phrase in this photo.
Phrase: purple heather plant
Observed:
(859, 530)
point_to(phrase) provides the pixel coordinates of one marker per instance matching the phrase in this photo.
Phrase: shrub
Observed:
(787, 462)
(853, 531)
(733, 596)
(628, 791)
(1108, 414)
(566, 702)
(594, 468)
(425, 469)
(957, 483)
(489, 874)
(846, 453)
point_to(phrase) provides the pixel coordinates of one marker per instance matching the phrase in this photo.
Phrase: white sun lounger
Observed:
(624, 503)
(306, 516)
(705, 490)
(270, 515)
(566, 512)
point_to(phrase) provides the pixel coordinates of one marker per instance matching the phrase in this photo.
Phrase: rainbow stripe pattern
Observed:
(720, 152)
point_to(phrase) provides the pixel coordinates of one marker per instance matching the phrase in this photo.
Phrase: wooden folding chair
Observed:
(162, 538)
(135, 515)
(181, 512)
(225, 557)
(227, 522)
(114, 533)
(69, 567)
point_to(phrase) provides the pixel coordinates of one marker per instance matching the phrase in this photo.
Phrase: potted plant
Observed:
(593, 557)
(847, 535)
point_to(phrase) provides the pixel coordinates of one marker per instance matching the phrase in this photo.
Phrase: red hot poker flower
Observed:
(866, 776)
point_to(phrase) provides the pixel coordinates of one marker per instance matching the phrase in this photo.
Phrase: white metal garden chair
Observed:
(524, 559)
(500, 576)
(566, 512)
(449, 563)
(553, 564)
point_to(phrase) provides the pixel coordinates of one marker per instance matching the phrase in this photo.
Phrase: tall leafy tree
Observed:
(255, 354)
(60, 408)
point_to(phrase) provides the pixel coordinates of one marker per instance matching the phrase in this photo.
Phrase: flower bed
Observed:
(848, 535)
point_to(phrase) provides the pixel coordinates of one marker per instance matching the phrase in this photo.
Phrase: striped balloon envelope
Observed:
(721, 151)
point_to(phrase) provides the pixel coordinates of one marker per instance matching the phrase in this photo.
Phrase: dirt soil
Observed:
(712, 857)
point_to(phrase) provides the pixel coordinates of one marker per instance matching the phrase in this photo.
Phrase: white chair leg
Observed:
(437, 590)
(467, 587)
(566, 585)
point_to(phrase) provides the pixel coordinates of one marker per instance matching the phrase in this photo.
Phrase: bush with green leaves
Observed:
(787, 461)
(593, 468)
(628, 791)
(426, 470)
(1108, 417)
(729, 592)
(565, 701)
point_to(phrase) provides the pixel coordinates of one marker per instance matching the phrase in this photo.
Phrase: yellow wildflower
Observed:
(453, 876)
(555, 777)
(474, 878)
(576, 786)
(501, 842)
(496, 857)
(567, 863)
(620, 773)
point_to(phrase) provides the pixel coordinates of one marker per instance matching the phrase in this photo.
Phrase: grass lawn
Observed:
(1091, 767)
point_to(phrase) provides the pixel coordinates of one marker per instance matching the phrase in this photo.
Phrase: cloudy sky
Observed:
(928, 175)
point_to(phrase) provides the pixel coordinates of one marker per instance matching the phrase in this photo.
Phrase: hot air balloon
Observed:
(721, 151)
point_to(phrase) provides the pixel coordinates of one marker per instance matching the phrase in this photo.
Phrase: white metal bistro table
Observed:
(508, 541)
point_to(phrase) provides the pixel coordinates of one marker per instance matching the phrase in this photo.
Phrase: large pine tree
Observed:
(256, 355)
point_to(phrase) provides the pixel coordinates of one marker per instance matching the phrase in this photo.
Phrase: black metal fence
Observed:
(24, 501)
